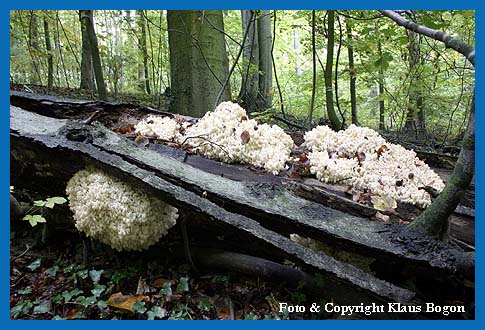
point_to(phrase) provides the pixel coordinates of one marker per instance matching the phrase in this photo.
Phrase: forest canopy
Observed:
(389, 77)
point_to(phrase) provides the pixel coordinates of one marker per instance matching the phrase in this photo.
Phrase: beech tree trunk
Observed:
(382, 108)
(248, 94)
(265, 41)
(332, 115)
(353, 94)
(35, 49)
(87, 73)
(198, 60)
(87, 15)
(143, 76)
(50, 62)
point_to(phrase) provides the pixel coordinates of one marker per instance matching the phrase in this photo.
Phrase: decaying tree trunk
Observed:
(361, 260)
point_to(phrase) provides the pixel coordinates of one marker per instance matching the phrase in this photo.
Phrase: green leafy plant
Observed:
(50, 202)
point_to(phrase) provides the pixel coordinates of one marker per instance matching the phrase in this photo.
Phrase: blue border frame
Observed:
(7, 5)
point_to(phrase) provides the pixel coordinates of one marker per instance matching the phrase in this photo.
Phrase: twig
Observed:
(23, 253)
(207, 140)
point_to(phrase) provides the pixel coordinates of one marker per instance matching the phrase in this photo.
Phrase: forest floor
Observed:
(50, 281)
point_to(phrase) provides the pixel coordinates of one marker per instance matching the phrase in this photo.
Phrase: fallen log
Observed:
(264, 209)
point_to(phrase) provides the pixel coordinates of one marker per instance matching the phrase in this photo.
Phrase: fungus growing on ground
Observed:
(115, 213)
(360, 157)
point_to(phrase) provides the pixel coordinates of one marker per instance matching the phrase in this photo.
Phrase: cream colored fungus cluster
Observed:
(360, 157)
(115, 213)
(226, 134)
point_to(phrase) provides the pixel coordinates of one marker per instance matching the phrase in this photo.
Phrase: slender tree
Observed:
(353, 94)
(34, 47)
(248, 94)
(198, 60)
(50, 61)
(332, 115)
(87, 73)
(265, 41)
(143, 76)
(87, 16)
(434, 220)
(314, 73)
(380, 82)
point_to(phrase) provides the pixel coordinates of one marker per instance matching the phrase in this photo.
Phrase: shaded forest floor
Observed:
(50, 281)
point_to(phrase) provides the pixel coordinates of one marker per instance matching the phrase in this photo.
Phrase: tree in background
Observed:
(88, 22)
(50, 62)
(257, 81)
(198, 60)
(332, 115)
(87, 73)
(143, 76)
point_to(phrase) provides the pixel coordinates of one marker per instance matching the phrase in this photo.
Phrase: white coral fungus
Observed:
(360, 157)
(226, 134)
(164, 128)
(115, 213)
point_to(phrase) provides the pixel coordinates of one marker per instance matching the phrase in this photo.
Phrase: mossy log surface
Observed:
(260, 210)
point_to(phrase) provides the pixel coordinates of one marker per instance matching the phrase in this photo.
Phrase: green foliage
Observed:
(50, 202)
(166, 289)
(183, 285)
(34, 264)
(441, 75)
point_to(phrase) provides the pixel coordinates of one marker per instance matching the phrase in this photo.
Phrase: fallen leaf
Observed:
(245, 137)
(361, 156)
(143, 287)
(382, 217)
(142, 141)
(159, 282)
(125, 302)
(383, 203)
(243, 118)
(382, 148)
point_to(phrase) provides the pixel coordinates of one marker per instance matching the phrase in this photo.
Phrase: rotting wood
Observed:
(405, 260)
(46, 135)
(259, 201)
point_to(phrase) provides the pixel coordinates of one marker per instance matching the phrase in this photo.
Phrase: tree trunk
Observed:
(265, 41)
(50, 61)
(35, 49)
(87, 74)
(314, 74)
(353, 94)
(142, 44)
(248, 95)
(198, 60)
(93, 45)
(381, 82)
(332, 115)
(434, 220)
(415, 114)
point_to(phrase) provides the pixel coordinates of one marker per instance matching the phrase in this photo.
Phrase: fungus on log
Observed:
(244, 206)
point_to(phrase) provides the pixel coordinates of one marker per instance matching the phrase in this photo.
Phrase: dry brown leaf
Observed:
(382, 148)
(125, 302)
(142, 141)
(382, 217)
(159, 282)
(245, 137)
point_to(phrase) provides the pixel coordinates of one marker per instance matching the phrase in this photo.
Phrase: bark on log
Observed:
(263, 212)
